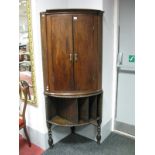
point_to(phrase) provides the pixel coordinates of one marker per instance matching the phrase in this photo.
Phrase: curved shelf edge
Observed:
(74, 94)
(59, 121)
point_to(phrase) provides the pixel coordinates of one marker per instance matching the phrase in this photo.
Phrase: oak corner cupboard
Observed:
(72, 68)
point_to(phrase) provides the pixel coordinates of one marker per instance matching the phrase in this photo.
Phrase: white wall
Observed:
(126, 98)
(126, 81)
(85, 4)
(108, 58)
(127, 28)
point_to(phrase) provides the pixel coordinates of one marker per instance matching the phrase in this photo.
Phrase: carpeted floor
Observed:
(77, 145)
(24, 149)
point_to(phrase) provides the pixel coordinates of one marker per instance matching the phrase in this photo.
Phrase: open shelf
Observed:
(73, 111)
(57, 120)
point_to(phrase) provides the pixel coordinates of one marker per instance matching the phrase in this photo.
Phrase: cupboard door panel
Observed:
(60, 52)
(85, 52)
(44, 52)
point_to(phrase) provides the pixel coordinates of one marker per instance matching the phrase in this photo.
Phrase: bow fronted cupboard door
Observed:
(59, 52)
(86, 68)
(72, 62)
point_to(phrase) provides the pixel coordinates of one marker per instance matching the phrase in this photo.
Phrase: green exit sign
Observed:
(132, 58)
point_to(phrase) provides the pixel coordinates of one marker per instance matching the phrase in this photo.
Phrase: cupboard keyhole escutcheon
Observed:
(71, 57)
(75, 57)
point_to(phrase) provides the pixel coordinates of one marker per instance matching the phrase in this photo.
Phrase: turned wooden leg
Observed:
(72, 129)
(27, 137)
(98, 137)
(50, 140)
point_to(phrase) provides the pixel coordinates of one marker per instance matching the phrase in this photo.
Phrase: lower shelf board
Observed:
(57, 120)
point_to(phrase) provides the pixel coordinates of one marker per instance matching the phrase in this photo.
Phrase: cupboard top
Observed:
(73, 11)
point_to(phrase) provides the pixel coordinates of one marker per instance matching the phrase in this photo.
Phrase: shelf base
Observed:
(59, 121)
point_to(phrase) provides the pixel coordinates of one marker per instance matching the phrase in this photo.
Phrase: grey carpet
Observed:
(77, 145)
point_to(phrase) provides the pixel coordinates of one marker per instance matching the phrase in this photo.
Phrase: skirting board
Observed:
(124, 134)
(58, 133)
(126, 128)
(41, 139)
(105, 131)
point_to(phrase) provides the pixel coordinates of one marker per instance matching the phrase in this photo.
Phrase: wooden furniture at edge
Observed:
(24, 89)
(72, 66)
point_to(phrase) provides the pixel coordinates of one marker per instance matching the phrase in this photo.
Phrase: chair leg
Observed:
(28, 139)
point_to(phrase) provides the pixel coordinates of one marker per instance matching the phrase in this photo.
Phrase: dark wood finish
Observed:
(99, 49)
(72, 63)
(44, 51)
(27, 136)
(73, 129)
(85, 67)
(50, 139)
(83, 109)
(24, 90)
(51, 107)
(72, 50)
(59, 121)
(99, 105)
(99, 114)
(60, 52)
(68, 109)
(72, 111)
(73, 94)
(93, 107)
(73, 11)
(98, 137)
